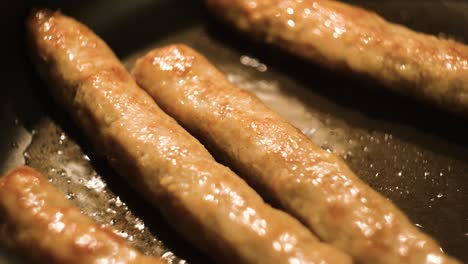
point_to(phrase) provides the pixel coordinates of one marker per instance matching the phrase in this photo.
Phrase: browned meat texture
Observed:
(339, 35)
(38, 221)
(203, 200)
(312, 184)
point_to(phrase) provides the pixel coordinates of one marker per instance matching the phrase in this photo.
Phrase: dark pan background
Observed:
(429, 146)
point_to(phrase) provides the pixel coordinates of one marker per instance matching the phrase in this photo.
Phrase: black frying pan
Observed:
(413, 154)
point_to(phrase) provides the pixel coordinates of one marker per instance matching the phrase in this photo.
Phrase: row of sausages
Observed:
(139, 121)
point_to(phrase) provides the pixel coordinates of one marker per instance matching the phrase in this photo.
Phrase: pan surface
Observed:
(413, 154)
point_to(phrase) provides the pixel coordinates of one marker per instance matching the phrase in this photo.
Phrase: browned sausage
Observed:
(312, 184)
(37, 221)
(339, 35)
(205, 201)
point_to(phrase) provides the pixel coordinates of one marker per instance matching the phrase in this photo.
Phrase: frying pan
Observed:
(410, 152)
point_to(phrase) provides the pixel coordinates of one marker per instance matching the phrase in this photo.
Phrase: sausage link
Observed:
(37, 220)
(341, 36)
(310, 183)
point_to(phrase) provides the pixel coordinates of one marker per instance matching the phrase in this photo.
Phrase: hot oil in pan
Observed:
(62, 160)
(425, 184)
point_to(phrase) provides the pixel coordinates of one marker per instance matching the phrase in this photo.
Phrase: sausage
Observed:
(340, 36)
(204, 201)
(280, 161)
(38, 221)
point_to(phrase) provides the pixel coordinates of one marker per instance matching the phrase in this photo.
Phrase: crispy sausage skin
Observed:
(204, 201)
(338, 35)
(38, 221)
(312, 184)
